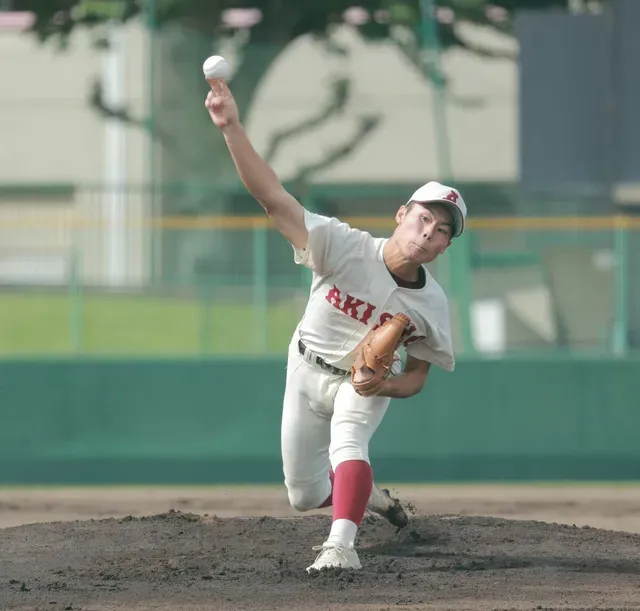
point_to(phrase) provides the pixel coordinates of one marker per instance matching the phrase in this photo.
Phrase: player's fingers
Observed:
(218, 87)
(215, 100)
(366, 393)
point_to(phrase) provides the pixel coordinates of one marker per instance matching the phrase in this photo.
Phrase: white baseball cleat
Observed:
(381, 503)
(334, 555)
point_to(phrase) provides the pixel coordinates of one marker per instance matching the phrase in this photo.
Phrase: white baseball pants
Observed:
(324, 423)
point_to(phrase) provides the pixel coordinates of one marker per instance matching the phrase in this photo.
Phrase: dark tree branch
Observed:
(450, 38)
(96, 101)
(366, 125)
(340, 95)
(341, 90)
(413, 52)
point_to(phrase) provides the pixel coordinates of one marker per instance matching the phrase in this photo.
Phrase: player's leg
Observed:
(305, 436)
(354, 421)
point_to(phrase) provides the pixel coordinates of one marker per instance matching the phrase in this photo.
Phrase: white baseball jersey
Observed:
(352, 291)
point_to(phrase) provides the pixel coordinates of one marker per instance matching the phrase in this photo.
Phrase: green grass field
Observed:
(50, 324)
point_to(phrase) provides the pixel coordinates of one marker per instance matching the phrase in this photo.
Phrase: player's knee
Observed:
(306, 498)
(348, 452)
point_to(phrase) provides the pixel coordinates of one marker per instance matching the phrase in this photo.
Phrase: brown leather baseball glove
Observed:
(375, 355)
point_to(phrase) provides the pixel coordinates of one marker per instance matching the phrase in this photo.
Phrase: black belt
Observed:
(321, 362)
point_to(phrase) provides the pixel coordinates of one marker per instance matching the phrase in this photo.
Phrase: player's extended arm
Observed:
(260, 180)
(409, 382)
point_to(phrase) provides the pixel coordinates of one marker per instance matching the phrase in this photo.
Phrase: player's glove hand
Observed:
(375, 355)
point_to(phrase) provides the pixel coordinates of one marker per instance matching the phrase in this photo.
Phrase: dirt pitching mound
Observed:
(186, 561)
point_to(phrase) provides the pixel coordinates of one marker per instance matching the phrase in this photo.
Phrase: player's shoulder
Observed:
(433, 287)
(433, 295)
(317, 219)
(339, 226)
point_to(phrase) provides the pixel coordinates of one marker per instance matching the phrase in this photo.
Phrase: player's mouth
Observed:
(419, 247)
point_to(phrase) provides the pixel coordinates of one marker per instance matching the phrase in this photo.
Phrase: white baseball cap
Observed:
(436, 192)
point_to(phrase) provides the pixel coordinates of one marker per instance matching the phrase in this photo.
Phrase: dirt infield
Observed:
(167, 549)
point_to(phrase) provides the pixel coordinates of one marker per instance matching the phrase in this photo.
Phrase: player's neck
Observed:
(398, 265)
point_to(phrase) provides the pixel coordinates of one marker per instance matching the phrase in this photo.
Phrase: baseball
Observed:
(215, 68)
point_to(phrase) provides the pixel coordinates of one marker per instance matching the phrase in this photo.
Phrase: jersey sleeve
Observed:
(437, 347)
(330, 242)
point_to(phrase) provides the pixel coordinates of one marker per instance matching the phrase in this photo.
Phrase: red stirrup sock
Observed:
(352, 485)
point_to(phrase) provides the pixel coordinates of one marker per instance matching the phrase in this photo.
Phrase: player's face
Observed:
(424, 231)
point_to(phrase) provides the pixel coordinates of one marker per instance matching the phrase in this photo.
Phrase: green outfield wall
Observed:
(213, 421)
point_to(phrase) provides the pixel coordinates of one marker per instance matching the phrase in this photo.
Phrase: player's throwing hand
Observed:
(221, 105)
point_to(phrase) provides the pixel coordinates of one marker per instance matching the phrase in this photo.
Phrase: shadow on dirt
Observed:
(452, 544)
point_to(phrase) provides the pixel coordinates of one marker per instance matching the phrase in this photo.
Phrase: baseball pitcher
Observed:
(370, 297)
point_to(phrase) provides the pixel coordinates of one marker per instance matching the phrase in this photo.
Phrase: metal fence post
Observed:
(154, 198)
(461, 285)
(261, 287)
(205, 291)
(76, 303)
(621, 287)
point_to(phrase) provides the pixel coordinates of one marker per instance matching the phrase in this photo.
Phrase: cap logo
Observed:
(452, 197)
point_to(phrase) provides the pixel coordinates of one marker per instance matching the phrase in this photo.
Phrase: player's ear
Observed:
(402, 212)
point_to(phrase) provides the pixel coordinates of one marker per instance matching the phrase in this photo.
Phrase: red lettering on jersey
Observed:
(384, 317)
(334, 297)
(413, 340)
(408, 332)
(452, 197)
(367, 313)
(351, 305)
(407, 337)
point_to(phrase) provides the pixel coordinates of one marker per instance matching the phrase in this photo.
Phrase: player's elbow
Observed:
(275, 199)
(288, 217)
(415, 383)
(268, 202)
(415, 389)
(417, 374)
(404, 386)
